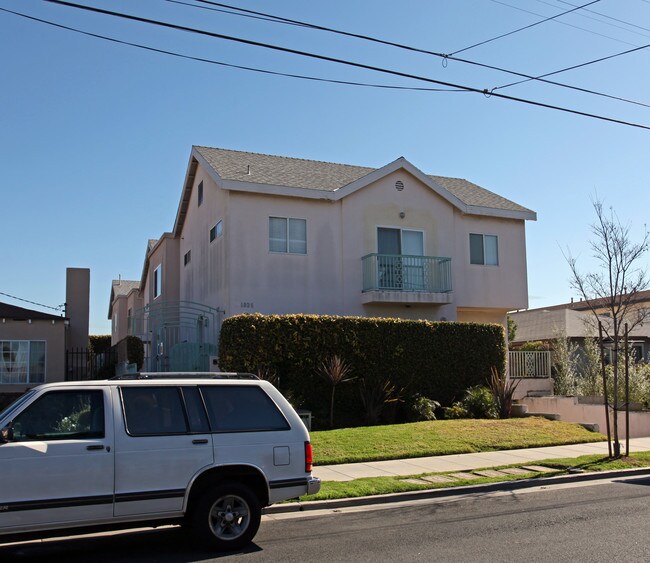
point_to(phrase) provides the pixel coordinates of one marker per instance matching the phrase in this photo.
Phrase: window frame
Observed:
(157, 281)
(484, 250)
(29, 363)
(287, 236)
(200, 193)
(87, 435)
(181, 400)
(216, 230)
(203, 390)
(187, 257)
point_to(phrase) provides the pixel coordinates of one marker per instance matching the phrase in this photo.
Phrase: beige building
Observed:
(275, 235)
(33, 344)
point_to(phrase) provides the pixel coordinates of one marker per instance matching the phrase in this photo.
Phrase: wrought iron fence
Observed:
(83, 364)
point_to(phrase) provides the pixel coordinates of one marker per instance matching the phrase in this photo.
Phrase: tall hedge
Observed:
(438, 360)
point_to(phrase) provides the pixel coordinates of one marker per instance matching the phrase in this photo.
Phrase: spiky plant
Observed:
(335, 370)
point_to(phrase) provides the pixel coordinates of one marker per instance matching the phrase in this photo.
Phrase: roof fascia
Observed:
(375, 175)
(502, 213)
(186, 194)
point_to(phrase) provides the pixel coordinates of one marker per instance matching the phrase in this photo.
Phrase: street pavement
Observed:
(465, 462)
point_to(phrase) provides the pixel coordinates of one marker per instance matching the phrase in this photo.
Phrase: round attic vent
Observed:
(399, 185)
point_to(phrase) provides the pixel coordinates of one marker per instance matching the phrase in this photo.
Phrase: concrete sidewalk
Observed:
(465, 462)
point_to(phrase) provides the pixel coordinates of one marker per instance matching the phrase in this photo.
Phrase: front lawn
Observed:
(442, 437)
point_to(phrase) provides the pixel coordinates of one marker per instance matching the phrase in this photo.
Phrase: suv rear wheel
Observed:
(227, 516)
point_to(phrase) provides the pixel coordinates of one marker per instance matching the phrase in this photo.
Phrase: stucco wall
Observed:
(53, 332)
(203, 279)
(238, 273)
(571, 409)
(502, 287)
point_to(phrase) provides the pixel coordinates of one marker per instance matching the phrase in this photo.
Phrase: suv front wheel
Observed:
(227, 516)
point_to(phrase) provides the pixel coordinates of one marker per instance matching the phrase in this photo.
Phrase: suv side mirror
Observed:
(7, 434)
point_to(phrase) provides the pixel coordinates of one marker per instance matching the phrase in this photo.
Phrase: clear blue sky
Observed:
(95, 136)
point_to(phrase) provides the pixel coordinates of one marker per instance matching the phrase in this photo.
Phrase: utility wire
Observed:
(524, 28)
(342, 61)
(580, 66)
(229, 65)
(563, 23)
(242, 12)
(58, 308)
(630, 24)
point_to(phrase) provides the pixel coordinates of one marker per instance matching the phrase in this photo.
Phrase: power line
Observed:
(524, 28)
(242, 12)
(343, 62)
(229, 65)
(563, 23)
(630, 24)
(580, 66)
(57, 308)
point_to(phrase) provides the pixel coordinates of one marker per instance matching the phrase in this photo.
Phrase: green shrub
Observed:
(422, 408)
(433, 359)
(479, 402)
(457, 410)
(98, 343)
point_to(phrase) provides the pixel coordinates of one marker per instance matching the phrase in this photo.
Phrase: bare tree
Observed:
(611, 293)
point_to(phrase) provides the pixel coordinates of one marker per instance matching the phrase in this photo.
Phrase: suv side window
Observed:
(152, 411)
(241, 409)
(195, 410)
(62, 415)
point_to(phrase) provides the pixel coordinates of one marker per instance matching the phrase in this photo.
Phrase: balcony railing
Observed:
(399, 272)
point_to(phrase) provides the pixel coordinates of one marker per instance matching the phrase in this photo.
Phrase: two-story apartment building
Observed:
(275, 235)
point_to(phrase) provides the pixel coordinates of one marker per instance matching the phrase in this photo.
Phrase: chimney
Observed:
(77, 301)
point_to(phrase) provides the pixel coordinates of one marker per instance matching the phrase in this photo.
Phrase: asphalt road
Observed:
(591, 522)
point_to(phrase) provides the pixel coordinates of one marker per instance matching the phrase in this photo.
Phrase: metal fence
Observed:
(83, 364)
(398, 272)
(529, 364)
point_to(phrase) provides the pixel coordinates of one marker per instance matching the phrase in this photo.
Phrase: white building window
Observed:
(287, 235)
(484, 249)
(157, 281)
(200, 194)
(22, 361)
(216, 231)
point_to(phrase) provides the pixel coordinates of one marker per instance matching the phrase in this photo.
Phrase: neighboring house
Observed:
(125, 299)
(33, 344)
(576, 322)
(32, 348)
(277, 235)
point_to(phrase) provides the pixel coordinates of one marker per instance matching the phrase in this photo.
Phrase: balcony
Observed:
(399, 278)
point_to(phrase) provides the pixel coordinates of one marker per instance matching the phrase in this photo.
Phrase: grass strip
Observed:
(369, 486)
(443, 437)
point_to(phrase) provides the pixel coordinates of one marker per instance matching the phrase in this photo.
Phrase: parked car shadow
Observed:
(171, 544)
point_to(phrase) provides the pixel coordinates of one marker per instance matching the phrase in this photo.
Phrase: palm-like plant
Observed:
(335, 370)
(503, 389)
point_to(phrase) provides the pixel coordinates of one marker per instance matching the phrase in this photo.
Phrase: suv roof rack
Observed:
(186, 375)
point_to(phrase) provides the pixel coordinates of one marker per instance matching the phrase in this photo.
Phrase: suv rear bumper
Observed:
(313, 485)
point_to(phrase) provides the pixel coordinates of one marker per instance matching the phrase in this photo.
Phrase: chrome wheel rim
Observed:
(229, 517)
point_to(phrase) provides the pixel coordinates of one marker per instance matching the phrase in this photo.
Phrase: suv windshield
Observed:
(7, 412)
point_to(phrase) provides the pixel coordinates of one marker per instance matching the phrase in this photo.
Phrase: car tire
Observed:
(227, 516)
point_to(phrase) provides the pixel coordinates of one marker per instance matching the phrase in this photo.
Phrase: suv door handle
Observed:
(95, 447)
(201, 441)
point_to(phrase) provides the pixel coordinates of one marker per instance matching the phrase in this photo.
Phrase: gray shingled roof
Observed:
(122, 287)
(312, 174)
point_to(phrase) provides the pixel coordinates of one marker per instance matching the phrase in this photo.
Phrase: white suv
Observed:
(207, 450)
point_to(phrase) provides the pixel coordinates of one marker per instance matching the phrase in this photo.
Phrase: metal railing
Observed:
(400, 272)
(529, 364)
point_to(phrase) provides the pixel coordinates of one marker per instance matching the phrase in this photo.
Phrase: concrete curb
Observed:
(452, 491)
